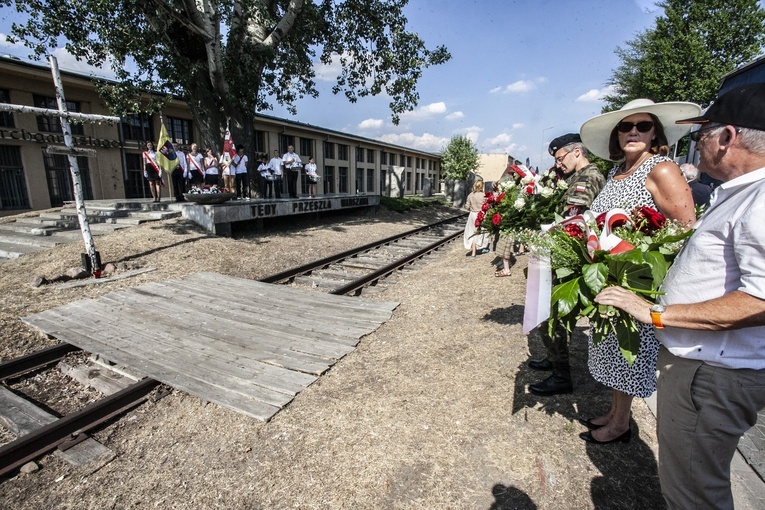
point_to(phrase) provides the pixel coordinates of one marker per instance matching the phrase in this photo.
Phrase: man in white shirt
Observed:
(293, 164)
(266, 179)
(180, 175)
(711, 318)
(276, 168)
(241, 177)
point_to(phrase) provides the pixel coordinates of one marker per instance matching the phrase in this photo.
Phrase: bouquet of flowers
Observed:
(527, 200)
(633, 249)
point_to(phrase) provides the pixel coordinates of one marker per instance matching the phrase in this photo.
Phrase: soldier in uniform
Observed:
(584, 183)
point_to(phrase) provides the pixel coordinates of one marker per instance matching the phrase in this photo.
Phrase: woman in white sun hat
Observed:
(638, 137)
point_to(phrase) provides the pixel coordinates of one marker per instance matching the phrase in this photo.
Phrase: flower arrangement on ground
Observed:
(632, 249)
(204, 190)
(526, 201)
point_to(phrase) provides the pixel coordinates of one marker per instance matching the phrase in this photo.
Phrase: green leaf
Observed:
(565, 296)
(628, 336)
(595, 276)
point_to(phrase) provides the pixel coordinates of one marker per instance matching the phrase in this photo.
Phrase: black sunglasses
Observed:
(643, 126)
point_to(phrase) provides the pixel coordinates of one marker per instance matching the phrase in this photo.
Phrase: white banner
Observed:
(538, 292)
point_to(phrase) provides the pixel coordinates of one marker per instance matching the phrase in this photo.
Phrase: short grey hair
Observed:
(752, 140)
(578, 145)
(690, 172)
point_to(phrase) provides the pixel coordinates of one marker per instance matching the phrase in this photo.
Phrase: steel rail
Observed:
(356, 285)
(39, 359)
(318, 264)
(31, 446)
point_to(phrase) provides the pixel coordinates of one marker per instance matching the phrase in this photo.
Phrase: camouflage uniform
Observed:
(583, 187)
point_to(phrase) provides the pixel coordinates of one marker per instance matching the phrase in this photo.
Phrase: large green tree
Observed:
(230, 58)
(684, 57)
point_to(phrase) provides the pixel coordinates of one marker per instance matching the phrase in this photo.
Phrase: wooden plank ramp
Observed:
(242, 344)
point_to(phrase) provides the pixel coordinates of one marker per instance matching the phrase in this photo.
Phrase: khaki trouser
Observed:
(702, 413)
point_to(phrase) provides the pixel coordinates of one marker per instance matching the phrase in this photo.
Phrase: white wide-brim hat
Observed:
(596, 132)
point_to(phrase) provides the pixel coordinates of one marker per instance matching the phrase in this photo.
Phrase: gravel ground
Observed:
(430, 411)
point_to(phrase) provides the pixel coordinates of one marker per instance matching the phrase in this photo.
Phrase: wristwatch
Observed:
(656, 311)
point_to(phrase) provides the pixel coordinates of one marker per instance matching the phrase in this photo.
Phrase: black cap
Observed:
(743, 106)
(562, 141)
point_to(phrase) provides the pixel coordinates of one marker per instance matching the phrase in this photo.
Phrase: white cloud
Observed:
(425, 112)
(472, 133)
(328, 72)
(647, 6)
(455, 116)
(425, 142)
(371, 124)
(519, 125)
(502, 144)
(519, 86)
(66, 62)
(595, 95)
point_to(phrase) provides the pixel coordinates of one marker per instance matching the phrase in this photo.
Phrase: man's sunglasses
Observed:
(643, 126)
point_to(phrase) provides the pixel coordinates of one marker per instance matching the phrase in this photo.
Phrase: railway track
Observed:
(348, 273)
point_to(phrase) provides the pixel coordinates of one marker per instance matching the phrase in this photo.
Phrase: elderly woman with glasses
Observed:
(637, 137)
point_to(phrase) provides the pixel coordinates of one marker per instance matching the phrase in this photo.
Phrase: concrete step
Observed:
(35, 229)
(13, 251)
(27, 239)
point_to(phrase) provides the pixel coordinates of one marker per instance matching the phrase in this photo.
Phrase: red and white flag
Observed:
(229, 149)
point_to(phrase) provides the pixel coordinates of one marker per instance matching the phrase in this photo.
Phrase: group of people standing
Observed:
(231, 173)
(706, 332)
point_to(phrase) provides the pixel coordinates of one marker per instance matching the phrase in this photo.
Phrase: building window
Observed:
(342, 152)
(136, 185)
(342, 177)
(384, 182)
(329, 150)
(13, 184)
(137, 126)
(260, 142)
(60, 179)
(370, 180)
(6, 118)
(359, 180)
(51, 123)
(329, 180)
(370, 156)
(179, 130)
(383, 158)
(359, 154)
(409, 181)
(409, 161)
(284, 142)
(306, 148)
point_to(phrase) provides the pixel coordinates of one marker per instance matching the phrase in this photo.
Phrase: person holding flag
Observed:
(166, 157)
(152, 172)
(226, 160)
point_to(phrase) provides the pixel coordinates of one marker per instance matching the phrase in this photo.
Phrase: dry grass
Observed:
(429, 412)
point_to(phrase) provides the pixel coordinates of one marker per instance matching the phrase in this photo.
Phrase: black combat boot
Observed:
(557, 384)
(543, 365)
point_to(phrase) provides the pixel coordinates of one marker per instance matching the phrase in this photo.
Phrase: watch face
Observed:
(658, 308)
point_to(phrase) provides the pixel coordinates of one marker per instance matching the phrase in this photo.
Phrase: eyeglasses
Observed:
(696, 135)
(643, 126)
(560, 159)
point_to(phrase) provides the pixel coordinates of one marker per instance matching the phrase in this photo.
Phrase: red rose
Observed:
(501, 196)
(496, 219)
(486, 206)
(574, 230)
(489, 198)
(477, 223)
(480, 216)
(654, 220)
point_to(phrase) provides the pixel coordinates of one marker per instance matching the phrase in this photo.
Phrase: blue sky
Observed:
(521, 73)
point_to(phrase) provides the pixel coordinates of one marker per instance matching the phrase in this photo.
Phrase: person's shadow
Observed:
(628, 472)
(510, 498)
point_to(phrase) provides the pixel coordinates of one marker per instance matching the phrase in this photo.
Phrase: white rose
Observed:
(528, 179)
(519, 203)
(546, 192)
(562, 184)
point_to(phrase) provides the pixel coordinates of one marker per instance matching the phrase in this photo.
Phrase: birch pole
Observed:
(74, 168)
